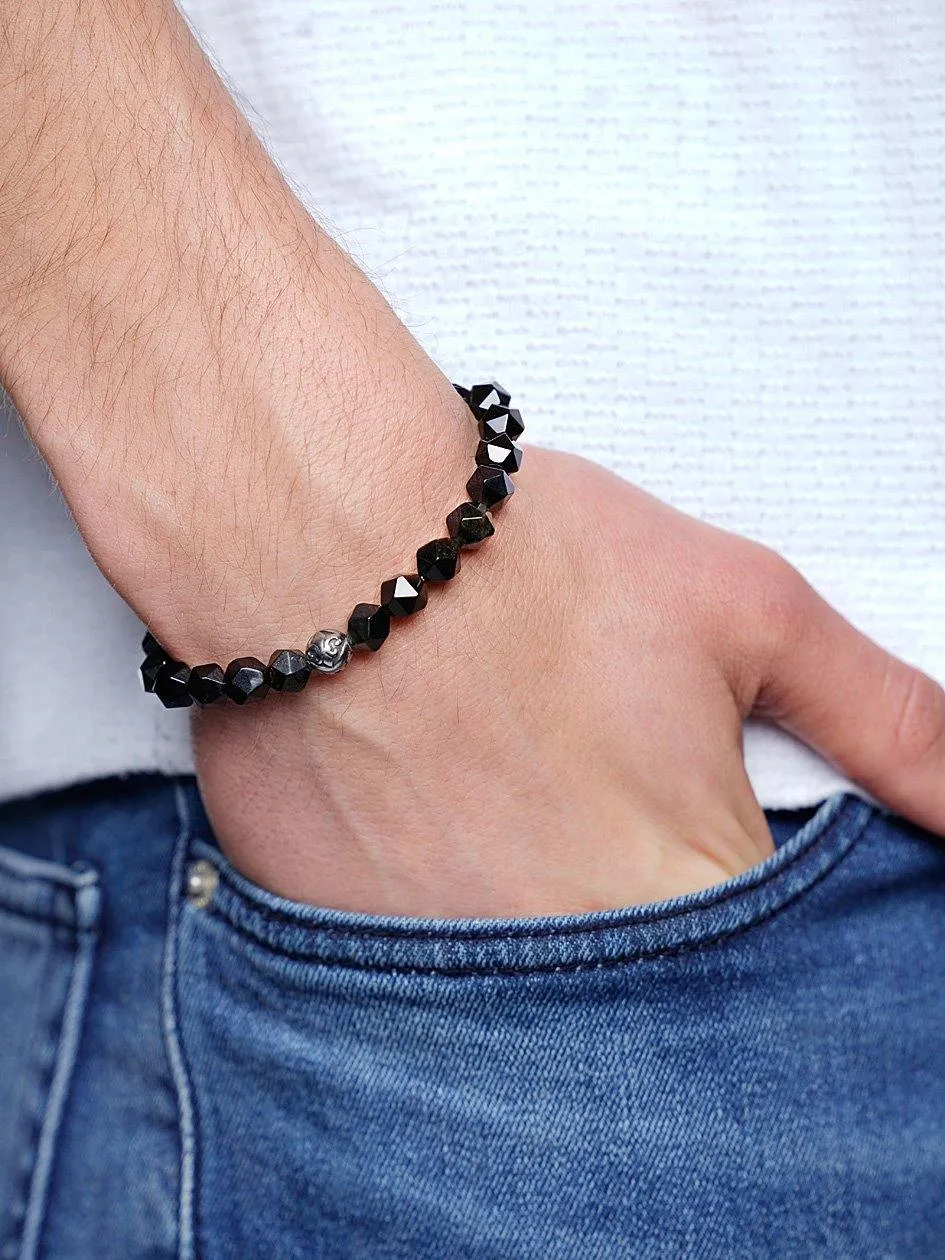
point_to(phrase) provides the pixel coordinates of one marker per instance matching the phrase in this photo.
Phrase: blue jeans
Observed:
(756, 1070)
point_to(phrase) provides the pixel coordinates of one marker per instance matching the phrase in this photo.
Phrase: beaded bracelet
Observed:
(178, 685)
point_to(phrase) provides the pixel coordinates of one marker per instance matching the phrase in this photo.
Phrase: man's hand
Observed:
(250, 442)
(560, 729)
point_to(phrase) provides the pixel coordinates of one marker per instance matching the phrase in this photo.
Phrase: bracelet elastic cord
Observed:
(178, 685)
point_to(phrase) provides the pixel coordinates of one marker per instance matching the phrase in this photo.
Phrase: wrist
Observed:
(320, 531)
(374, 785)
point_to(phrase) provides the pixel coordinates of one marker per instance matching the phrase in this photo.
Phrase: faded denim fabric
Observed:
(755, 1070)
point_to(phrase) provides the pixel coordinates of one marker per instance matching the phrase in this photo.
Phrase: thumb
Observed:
(876, 718)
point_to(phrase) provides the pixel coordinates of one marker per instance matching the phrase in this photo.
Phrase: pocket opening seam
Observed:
(472, 970)
(431, 934)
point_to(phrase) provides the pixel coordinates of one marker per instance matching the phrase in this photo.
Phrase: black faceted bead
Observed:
(500, 452)
(246, 679)
(206, 684)
(170, 686)
(489, 487)
(439, 560)
(462, 391)
(404, 594)
(151, 666)
(369, 624)
(491, 394)
(469, 525)
(288, 670)
(501, 422)
(151, 647)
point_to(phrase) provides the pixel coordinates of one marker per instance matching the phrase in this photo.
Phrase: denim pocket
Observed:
(304, 934)
(49, 918)
(630, 1082)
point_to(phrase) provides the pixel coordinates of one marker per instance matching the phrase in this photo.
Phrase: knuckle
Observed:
(765, 610)
(918, 730)
(781, 604)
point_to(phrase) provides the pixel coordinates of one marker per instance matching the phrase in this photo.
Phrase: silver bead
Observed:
(328, 651)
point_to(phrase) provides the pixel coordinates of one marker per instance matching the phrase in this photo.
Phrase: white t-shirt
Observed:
(703, 243)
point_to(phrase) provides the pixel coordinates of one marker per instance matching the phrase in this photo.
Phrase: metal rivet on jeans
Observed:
(202, 880)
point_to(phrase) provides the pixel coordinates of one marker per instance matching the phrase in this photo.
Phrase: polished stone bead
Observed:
(490, 394)
(501, 422)
(151, 666)
(404, 594)
(369, 625)
(170, 685)
(151, 647)
(500, 452)
(469, 525)
(288, 670)
(246, 678)
(328, 651)
(207, 684)
(462, 391)
(439, 560)
(489, 487)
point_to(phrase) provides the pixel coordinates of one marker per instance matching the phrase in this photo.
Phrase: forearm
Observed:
(125, 168)
(162, 289)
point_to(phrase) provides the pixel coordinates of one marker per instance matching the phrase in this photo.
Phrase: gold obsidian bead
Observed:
(246, 678)
(369, 625)
(469, 525)
(500, 452)
(151, 666)
(151, 647)
(486, 396)
(170, 685)
(288, 670)
(438, 561)
(207, 684)
(501, 422)
(489, 487)
(404, 594)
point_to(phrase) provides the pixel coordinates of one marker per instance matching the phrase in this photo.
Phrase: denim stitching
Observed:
(25, 869)
(47, 920)
(59, 1078)
(175, 1053)
(21, 1207)
(846, 808)
(640, 955)
(79, 938)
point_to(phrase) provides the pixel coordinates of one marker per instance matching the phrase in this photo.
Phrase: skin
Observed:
(250, 442)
